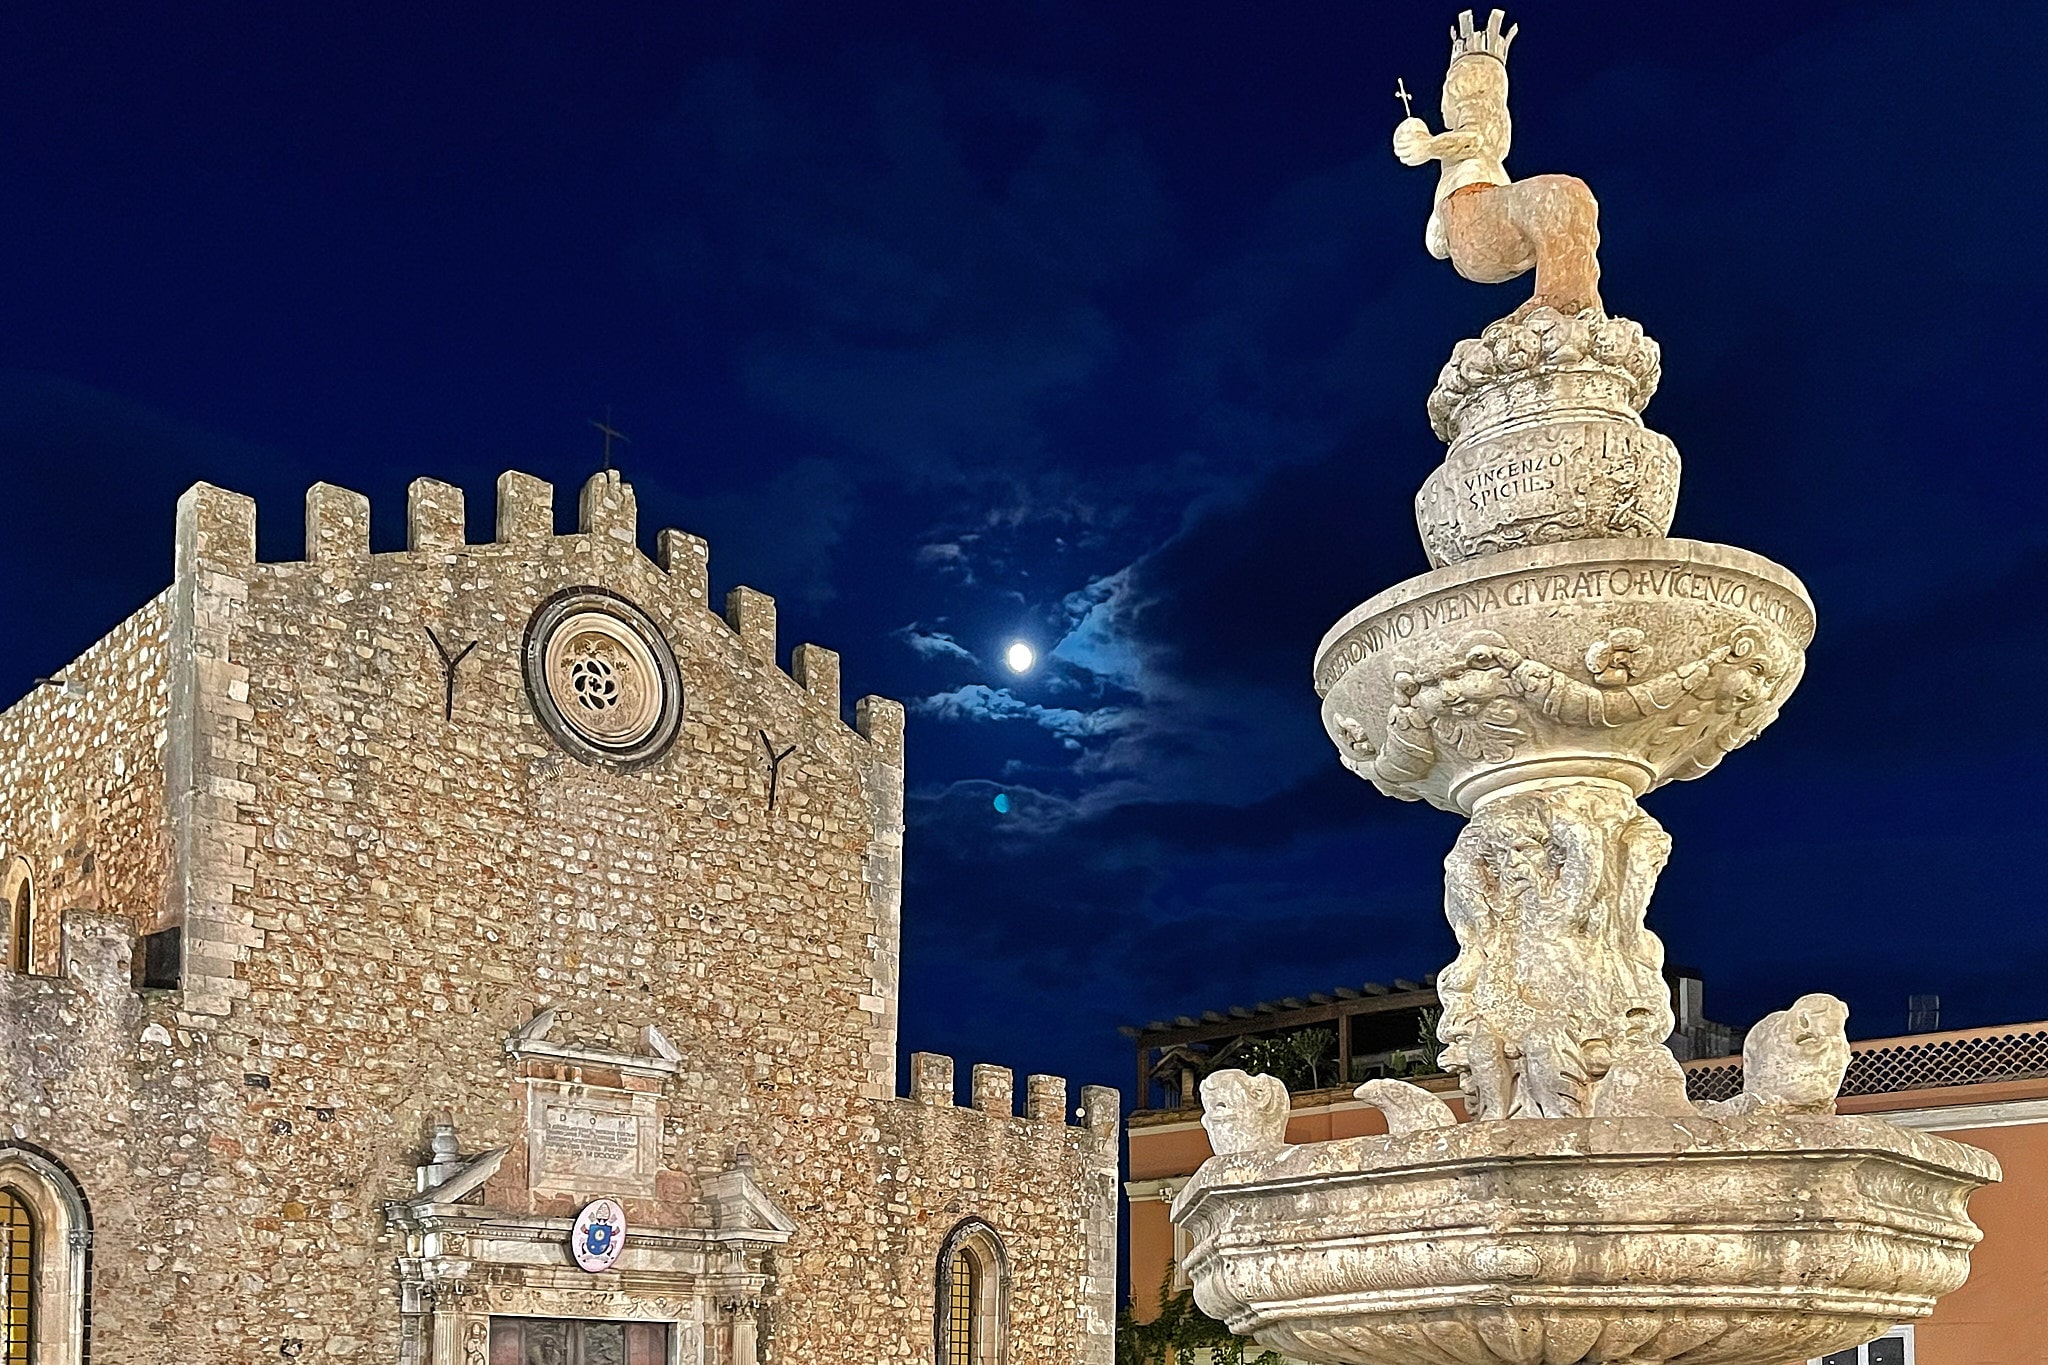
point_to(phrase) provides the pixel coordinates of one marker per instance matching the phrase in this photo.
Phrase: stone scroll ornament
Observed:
(1482, 699)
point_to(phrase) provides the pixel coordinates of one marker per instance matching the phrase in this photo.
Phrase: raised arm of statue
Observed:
(1415, 144)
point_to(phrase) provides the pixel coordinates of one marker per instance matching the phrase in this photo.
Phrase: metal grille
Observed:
(1704, 1083)
(1891, 1065)
(17, 1274)
(23, 945)
(962, 1277)
(1951, 1061)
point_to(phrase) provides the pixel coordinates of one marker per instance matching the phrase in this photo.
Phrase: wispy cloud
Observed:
(980, 702)
(949, 559)
(933, 644)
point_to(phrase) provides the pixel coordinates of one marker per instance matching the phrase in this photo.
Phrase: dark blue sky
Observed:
(1107, 326)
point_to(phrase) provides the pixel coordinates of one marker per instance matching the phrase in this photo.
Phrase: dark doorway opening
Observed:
(577, 1341)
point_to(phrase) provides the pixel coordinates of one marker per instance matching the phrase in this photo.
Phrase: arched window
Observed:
(46, 1262)
(18, 1277)
(960, 1306)
(973, 1296)
(18, 890)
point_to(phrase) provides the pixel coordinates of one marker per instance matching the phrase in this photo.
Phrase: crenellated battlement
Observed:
(216, 530)
(992, 1091)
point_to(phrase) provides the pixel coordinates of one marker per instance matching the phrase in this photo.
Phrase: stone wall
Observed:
(379, 881)
(1049, 1190)
(81, 782)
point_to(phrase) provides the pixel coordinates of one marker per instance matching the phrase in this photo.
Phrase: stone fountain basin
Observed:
(1638, 661)
(1751, 1241)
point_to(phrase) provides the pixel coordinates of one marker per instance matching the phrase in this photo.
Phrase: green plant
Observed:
(1182, 1334)
(1425, 1033)
(1302, 1059)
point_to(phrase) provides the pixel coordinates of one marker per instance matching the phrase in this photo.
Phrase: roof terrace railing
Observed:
(1921, 1061)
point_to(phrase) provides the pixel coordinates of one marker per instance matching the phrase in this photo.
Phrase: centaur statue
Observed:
(1492, 228)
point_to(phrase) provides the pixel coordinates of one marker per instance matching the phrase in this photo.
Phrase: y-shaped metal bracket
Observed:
(774, 764)
(448, 665)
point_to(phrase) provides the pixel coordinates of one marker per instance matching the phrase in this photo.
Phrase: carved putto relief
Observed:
(1483, 700)
(1547, 343)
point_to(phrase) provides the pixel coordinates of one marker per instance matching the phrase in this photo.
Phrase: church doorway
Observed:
(577, 1341)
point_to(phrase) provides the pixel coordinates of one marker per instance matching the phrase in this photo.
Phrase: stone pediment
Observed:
(455, 1181)
(465, 1262)
(741, 1208)
(532, 1043)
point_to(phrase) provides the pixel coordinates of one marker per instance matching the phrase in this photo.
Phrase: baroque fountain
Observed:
(1562, 658)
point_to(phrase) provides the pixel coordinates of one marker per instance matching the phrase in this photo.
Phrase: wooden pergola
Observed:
(1164, 1046)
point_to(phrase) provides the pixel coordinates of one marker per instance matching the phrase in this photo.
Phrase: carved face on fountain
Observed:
(1522, 859)
(1244, 1113)
(1745, 678)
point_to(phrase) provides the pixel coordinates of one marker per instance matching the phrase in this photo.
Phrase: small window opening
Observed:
(163, 957)
(973, 1288)
(20, 891)
(960, 1307)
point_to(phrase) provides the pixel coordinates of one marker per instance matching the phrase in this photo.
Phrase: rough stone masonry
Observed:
(382, 911)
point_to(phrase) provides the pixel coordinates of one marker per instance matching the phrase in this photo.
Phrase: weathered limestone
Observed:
(1489, 227)
(1563, 659)
(485, 913)
(1637, 662)
(1556, 975)
(1614, 1240)
(1543, 416)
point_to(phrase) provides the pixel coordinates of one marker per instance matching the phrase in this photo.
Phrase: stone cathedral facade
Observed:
(486, 954)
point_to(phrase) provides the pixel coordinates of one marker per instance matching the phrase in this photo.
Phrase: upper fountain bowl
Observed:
(1639, 661)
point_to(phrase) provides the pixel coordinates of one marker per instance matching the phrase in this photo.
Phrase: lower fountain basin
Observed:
(1637, 661)
(1751, 1241)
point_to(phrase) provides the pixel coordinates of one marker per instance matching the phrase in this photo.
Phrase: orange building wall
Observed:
(2001, 1316)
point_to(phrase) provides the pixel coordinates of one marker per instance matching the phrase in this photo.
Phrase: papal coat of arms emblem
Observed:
(599, 1235)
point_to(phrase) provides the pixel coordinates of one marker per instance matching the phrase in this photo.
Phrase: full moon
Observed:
(1020, 657)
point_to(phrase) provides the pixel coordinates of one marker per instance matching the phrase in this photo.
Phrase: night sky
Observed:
(1106, 327)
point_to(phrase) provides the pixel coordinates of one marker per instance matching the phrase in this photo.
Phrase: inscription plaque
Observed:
(584, 1139)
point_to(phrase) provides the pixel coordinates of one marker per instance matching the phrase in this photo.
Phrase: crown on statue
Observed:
(1486, 42)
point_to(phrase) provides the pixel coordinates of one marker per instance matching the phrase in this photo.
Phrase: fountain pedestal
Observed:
(1563, 658)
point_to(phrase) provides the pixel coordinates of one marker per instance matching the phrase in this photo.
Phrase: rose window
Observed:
(602, 678)
(595, 681)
